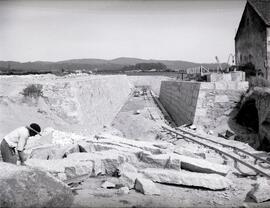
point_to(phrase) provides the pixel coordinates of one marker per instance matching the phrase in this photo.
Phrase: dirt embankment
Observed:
(82, 104)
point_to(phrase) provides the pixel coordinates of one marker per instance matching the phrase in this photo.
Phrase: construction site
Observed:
(130, 132)
(127, 141)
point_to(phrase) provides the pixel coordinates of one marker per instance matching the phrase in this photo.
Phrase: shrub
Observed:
(258, 82)
(33, 90)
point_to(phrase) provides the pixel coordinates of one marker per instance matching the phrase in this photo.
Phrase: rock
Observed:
(28, 187)
(70, 149)
(210, 132)
(175, 161)
(202, 166)
(43, 152)
(105, 162)
(69, 167)
(129, 178)
(160, 161)
(107, 185)
(244, 170)
(164, 145)
(260, 191)
(49, 152)
(183, 151)
(126, 167)
(193, 127)
(123, 190)
(109, 139)
(146, 186)
(209, 181)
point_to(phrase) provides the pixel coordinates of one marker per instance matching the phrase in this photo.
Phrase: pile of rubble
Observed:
(137, 162)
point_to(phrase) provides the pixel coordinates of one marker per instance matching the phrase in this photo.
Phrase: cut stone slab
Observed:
(43, 152)
(244, 170)
(166, 176)
(86, 146)
(202, 166)
(105, 162)
(49, 152)
(69, 167)
(147, 146)
(129, 178)
(146, 186)
(28, 187)
(184, 151)
(261, 191)
(160, 161)
(107, 184)
(126, 167)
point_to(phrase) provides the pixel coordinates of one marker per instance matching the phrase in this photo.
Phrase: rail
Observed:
(226, 145)
(216, 149)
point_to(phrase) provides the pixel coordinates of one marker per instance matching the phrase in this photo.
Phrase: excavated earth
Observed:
(135, 163)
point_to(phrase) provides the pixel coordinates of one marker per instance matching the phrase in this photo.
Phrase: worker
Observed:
(17, 140)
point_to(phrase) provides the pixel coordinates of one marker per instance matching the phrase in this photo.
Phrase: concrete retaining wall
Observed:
(206, 104)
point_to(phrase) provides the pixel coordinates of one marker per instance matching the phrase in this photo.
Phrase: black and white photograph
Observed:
(134, 103)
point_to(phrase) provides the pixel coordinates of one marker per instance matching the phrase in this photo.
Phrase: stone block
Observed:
(146, 186)
(28, 187)
(201, 165)
(105, 162)
(160, 161)
(128, 178)
(209, 181)
(260, 192)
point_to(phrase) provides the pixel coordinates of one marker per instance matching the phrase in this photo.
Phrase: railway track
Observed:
(223, 149)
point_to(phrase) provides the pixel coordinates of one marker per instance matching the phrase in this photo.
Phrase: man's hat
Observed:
(35, 128)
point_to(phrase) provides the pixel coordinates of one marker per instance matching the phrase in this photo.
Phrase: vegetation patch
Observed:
(33, 91)
(258, 82)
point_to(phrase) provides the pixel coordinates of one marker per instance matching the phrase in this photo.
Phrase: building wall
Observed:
(268, 47)
(205, 104)
(250, 41)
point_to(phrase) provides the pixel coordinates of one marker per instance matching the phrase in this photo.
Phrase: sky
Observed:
(190, 30)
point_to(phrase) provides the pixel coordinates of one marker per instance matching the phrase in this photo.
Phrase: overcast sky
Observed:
(175, 30)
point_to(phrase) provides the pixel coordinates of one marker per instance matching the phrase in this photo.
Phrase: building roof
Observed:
(262, 7)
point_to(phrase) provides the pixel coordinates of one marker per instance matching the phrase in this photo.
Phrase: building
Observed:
(252, 40)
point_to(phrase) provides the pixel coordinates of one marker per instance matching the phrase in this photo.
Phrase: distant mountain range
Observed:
(97, 64)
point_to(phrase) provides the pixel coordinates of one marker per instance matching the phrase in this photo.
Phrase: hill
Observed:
(94, 65)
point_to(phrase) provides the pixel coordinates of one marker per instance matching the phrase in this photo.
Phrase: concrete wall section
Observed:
(206, 104)
(180, 100)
